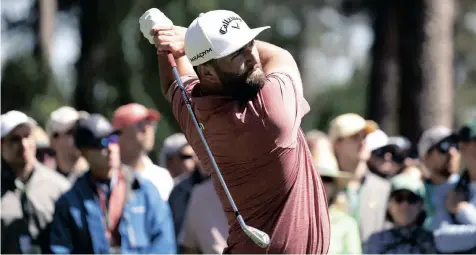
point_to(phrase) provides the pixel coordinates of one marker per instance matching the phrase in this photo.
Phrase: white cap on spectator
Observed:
(431, 137)
(376, 139)
(172, 145)
(13, 119)
(63, 119)
(349, 124)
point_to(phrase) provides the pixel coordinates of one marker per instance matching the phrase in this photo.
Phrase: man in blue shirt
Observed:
(109, 209)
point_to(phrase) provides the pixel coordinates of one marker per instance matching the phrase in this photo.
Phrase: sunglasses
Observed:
(398, 155)
(410, 198)
(69, 132)
(185, 156)
(141, 125)
(444, 146)
(104, 143)
(16, 139)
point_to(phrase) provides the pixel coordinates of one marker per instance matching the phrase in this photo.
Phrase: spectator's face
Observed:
(103, 159)
(183, 162)
(404, 207)
(138, 137)
(46, 156)
(330, 187)
(351, 148)
(386, 160)
(63, 144)
(19, 147)
(468, 150)
(442, 161)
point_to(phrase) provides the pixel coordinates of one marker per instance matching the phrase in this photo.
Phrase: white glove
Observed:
(151, 18)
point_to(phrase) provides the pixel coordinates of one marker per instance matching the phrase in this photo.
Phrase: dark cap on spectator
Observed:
(468, 131)
(91, 130)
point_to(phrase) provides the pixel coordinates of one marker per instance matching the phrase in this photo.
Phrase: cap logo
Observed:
(201, 54)
(226, 22)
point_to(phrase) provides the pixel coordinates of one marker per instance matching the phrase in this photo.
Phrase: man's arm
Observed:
(276, 59)
(455, 238)
(184, 67)
(171, 40)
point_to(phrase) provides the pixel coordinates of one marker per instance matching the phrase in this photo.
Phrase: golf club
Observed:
(258, 236)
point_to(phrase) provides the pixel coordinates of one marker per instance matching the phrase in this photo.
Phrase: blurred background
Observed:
(406, 64)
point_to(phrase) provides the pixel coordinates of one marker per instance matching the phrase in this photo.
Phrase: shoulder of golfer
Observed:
(273, 58)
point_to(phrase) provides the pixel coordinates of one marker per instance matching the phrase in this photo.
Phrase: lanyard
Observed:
(104, 199)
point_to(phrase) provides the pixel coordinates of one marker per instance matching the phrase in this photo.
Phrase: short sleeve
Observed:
(174, 95)
(282, 103)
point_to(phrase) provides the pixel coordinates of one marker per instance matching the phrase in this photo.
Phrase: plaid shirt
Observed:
(408, 240)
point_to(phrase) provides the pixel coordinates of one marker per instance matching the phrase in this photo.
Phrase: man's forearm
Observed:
(184, 67)
(272, 56)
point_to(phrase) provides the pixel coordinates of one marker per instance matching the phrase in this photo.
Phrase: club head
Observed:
(259, 237)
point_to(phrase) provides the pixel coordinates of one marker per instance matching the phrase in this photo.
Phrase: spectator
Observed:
(109, 209)
(437, 150)
(405, 211)
(456, 221)
(137, 139)
(345, 237)
(29, 189)
(367, 192)
(44, 153)
(205, 227)
(386, 156)
(171, 157)
(60, 128)
(410, 155)
(181, 192)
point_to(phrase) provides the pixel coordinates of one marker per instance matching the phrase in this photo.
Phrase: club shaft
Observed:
(205, 143)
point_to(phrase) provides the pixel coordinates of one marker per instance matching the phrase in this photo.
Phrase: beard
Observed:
(243, 86)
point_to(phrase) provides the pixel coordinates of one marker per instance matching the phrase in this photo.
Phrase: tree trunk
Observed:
(426, 64)
(382, 92)
(88, 62)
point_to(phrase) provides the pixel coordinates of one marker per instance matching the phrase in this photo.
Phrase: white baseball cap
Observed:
(62, 120)
(172, 145)
(13, 119)
(376, 140)
(349, 124)
(431, 137)
(217, 34)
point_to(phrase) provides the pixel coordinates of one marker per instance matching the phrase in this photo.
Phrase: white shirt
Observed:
(159, 176)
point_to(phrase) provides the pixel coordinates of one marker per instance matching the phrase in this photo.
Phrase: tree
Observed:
(426, 65)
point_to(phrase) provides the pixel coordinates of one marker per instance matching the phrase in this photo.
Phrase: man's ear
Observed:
(208, 74)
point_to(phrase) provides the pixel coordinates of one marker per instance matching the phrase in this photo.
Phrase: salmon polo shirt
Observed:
(264, 159)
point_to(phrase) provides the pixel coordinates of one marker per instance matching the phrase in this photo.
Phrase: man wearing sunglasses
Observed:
(437, 149)
(456, 219)
(29, 189)
(137, 138)
(385, 160)
(109, 209)
(59, 127)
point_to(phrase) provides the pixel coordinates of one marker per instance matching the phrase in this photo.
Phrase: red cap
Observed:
(129, 114)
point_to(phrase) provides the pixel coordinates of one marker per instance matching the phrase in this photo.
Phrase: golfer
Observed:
(248, 98)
